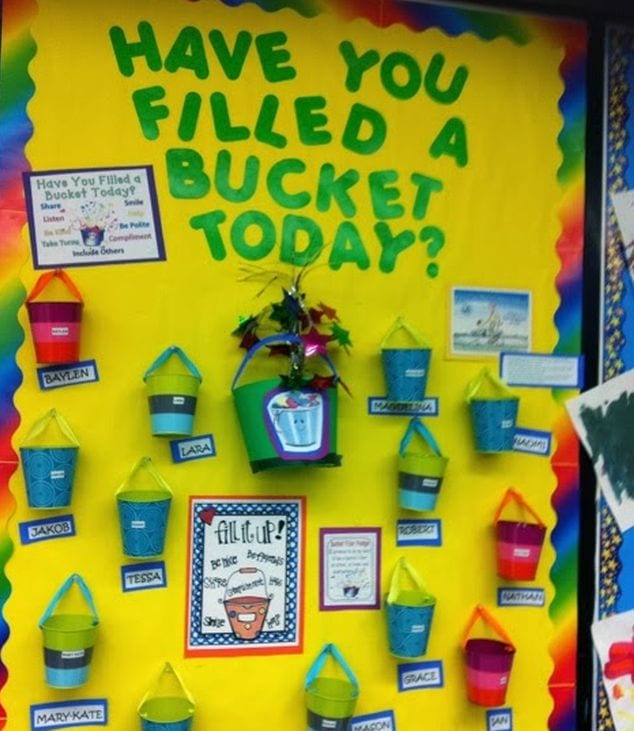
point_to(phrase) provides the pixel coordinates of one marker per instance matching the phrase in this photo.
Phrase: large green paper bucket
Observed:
(167, 706)
(284, 427)
(330, 702)
(68, 638)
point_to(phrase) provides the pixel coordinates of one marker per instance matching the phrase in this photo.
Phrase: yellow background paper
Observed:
(498, 214)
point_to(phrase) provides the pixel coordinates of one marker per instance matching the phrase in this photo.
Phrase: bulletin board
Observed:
(187, 165)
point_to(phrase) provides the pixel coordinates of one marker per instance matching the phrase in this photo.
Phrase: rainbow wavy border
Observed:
(17, 49)
(16, 89)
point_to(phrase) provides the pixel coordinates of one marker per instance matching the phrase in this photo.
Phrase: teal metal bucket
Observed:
(49, 473)
(143, 521)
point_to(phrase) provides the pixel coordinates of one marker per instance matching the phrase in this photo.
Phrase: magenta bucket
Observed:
(488, 661)
(489, 664)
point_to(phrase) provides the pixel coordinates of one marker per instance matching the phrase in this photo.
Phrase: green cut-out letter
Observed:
(414, 76)
(225, 131)
(190, 114)
(391, 245)
(310, 119)
(361, 115)
(232, 62)
(451, 141)
(425, 186)
(432, 78)
(292, 226)
(146, 47)
(330, 187)
(208, 223)
(275, 186)
(356, 65)
(383, 194)
(273, 56)
(348, 248)
(149, 113)
(186, 173)
(188, 52)
(223, 174)
(255, 220)
(264, 131)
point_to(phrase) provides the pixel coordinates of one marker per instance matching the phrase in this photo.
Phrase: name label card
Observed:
(500, 719)
(516, 596)
(532, 441)
(185, 450)
(381, 721)
(420, 675)
(93, 712)
(45, 529)
(139, 576)
(418, 532)
(71, 374)
(378, 406)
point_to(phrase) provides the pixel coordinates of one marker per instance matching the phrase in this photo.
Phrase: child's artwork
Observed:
(603, 418)
(614, 642)
(245, 575)
(489, 321)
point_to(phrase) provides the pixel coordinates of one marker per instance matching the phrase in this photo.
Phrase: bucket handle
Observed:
(168, 669)
(487, 373)
(401, 324)
(481, 613)
(404, 566)
(512, 495)
(271, 340)
(164, 357)
(59, 594)
(416, 426)
(145, 463)
(46, 278)
(40, 425)
(320, 661)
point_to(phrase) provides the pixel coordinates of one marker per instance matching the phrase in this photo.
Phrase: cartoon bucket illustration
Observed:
(172, 385)
(519, 544)
(68, 637)
(49, 462)
(246, 602)
(55, 323)
(167, 706)
(420, 472)
(330, 702)
(489, 662)
(409, 613)
(405, 368)
(286, 427)
(143, 502)
(494, 410)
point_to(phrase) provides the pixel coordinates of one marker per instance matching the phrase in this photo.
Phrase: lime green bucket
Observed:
(167, 706)
(172, 393)
(420, 471)
(330, 702)
(68, 638)
(286, 427)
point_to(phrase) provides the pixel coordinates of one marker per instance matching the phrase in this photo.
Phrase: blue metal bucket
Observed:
(406, 372)
(409, 628)
(49, 473)
(494, 422)
(143, 521)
